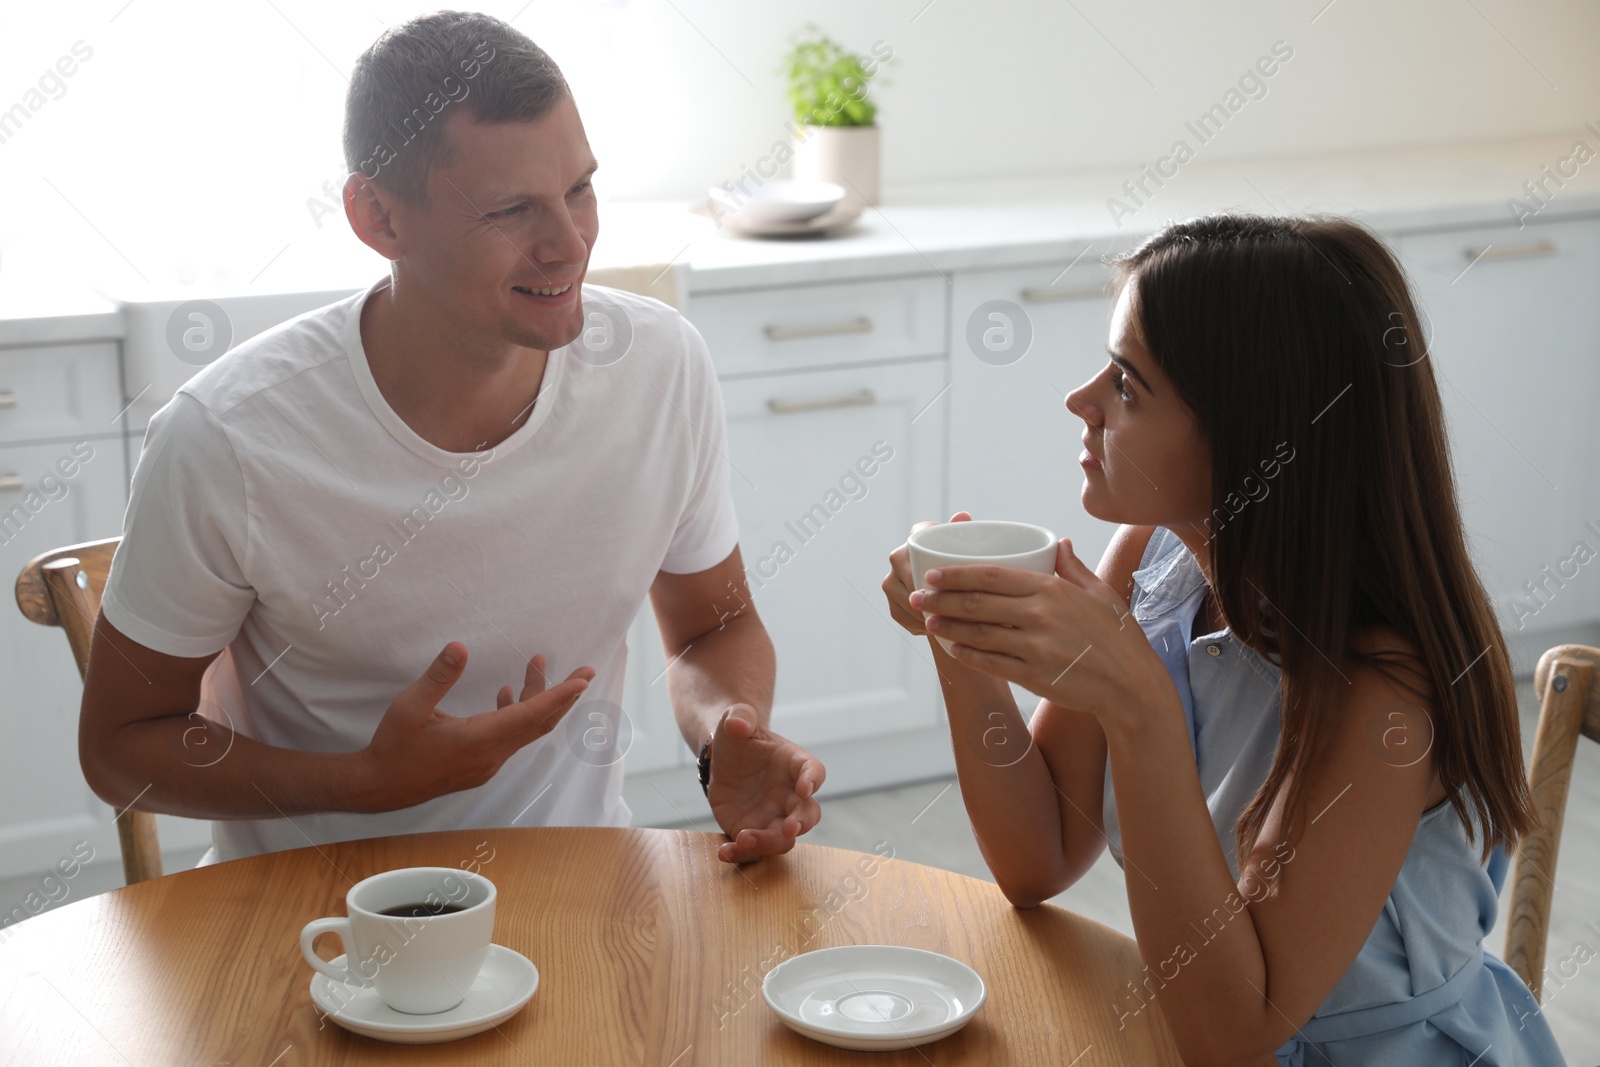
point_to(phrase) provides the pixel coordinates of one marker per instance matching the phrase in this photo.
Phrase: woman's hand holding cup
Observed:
(899, 585)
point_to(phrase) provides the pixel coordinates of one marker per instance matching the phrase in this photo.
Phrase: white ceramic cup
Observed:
(419, 965)
(1009, 544)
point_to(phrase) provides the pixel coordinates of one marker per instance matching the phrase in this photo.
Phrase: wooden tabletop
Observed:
(650, 951)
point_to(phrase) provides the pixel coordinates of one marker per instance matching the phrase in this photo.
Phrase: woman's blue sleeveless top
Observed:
(1423, 989)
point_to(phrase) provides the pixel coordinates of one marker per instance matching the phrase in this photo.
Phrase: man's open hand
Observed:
(763, 787)
(419, 752)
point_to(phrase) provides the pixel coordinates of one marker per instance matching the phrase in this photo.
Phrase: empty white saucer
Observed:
(874, 997)
(739, 223)
(831, 221)
(507, 982)
(780, 201)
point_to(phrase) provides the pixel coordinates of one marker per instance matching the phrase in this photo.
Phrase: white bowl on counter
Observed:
(779, 201)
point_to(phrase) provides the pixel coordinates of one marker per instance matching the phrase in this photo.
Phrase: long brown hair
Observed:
(1303, 333)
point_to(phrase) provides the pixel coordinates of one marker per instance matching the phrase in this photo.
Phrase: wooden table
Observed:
(650, 951)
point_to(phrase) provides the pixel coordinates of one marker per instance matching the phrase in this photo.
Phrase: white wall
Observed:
(187, 148)
(1000, 88)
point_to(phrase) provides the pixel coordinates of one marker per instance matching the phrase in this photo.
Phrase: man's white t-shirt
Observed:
(283, 513)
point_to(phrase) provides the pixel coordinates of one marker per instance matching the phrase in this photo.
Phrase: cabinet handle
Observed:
(10, 483)
(1533, 248)
(1048, 295)
(788, 407)
(8, 399)
(826, 329)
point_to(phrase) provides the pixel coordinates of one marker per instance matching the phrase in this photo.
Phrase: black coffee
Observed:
(421, 911)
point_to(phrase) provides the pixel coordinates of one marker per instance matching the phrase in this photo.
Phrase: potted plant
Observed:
(835, 128)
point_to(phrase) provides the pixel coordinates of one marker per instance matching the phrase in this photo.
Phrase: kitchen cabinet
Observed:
(829, 469)
(63, 479)
(1021, 339)
(1513, 321)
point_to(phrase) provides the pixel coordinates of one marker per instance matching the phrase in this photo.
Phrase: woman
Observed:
(1287, 657)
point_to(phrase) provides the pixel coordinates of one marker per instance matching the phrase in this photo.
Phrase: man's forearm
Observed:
(183, 765)
(733, 664)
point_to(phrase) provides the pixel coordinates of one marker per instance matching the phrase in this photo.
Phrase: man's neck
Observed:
(452, 390)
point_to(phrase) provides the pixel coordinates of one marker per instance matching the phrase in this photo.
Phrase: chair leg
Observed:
(141, 852)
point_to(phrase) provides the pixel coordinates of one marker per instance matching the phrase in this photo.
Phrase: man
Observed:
(327, 518)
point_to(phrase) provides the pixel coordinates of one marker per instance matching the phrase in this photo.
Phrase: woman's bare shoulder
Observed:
(1401, 712)
(1122, 558)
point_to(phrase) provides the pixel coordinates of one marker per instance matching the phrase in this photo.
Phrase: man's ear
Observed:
(370, 210)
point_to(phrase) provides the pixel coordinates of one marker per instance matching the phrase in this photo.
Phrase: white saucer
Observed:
(507, 982)
(780, 200)
(835, 219)
(874, 997)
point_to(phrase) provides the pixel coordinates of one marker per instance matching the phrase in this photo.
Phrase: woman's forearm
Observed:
(1210, 973)
(1005, 784)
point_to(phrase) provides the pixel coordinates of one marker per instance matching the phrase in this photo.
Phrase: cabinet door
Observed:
(59, 392)
(829, 471)
(1514, 321)
(1020, 340)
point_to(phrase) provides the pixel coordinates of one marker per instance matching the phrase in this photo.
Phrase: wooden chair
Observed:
(1569, 706)
(660, 280)
(62, 588)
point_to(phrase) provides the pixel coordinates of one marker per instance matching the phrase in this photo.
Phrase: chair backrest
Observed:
(1567, 682)
(62, 588)
(660, 280)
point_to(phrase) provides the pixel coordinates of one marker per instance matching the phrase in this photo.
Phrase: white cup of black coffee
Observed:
(418, 935)
(1019, 545)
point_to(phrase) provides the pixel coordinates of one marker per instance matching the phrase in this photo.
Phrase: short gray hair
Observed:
(426, 70)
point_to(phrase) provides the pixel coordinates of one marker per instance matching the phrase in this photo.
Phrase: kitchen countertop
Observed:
(969, 224)
(1045, 218)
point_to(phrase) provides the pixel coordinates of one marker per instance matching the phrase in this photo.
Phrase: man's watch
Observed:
(703, 764)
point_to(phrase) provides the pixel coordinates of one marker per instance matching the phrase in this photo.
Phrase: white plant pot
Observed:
(845, 154)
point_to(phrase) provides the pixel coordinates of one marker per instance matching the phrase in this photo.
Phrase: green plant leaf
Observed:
(827, 86)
